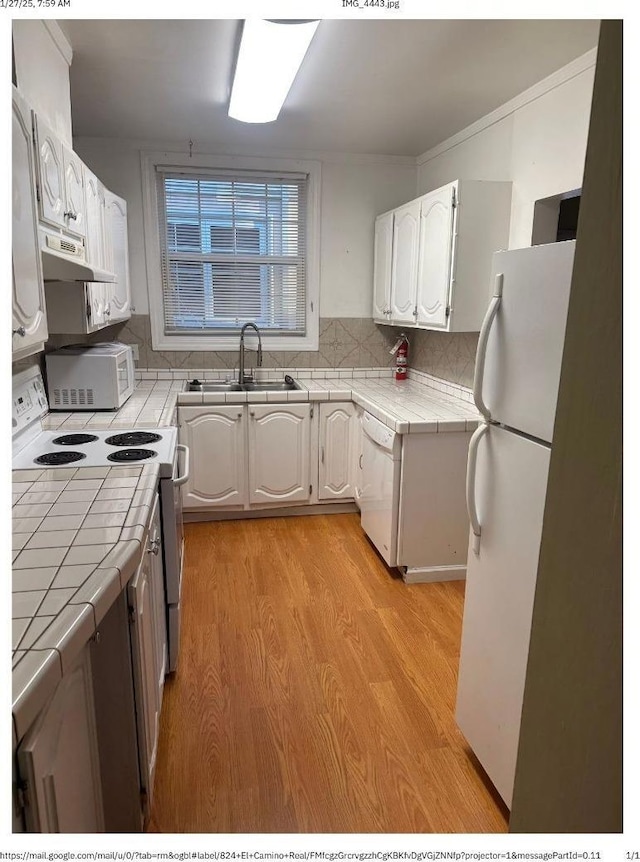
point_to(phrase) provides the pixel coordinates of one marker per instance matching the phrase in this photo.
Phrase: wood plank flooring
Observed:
(314, 692)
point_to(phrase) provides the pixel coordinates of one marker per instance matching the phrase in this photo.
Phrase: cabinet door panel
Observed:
(143, 648)
(74, 193)
(336, 468)
(404, 267)
(154, 548)
(97, 295)
(382, 249)
(94, 195)
(59, 759)
(117, 248)
(216, 440)
(51, 175)
(279, 453)
(28, 287)
(434, 271)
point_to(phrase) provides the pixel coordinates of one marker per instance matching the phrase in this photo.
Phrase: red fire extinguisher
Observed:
(401, 350)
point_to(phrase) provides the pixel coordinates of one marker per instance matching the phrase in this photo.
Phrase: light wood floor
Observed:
(314, 691)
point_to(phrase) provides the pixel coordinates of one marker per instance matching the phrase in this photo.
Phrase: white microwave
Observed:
(90, 377)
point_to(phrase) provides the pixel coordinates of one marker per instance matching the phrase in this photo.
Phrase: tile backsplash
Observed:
(448, 355)
(345, 342)
(353, 342)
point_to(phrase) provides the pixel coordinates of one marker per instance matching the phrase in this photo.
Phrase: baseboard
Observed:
(433, 575)
(275, 512)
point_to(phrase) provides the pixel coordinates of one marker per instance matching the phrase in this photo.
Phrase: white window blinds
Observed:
(233, 250)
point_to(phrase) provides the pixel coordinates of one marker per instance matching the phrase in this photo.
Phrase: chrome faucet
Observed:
(241, 375)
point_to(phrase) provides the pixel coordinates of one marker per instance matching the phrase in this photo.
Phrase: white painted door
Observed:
(29, 316)
(337, 437)
(526, 340)
(404, 263)
(143, 656)
(117, 259)
(74, 193)
(51, 181)
(434, 266)
(510, 489)
(216, 440)
(58, 758)
(279, 439)
(154, 549)
(94, 195)
(382, 250)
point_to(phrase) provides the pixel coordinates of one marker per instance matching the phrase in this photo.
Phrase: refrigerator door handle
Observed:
(481, 353)
(476, 437)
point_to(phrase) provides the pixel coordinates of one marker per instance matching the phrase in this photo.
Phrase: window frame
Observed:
(180, 161)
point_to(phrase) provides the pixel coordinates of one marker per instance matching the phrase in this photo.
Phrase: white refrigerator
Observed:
(515, 388)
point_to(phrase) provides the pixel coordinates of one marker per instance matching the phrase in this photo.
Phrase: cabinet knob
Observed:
(70, 214)
(240, 414)
(21, 331)
(252, 413)
(107, 310)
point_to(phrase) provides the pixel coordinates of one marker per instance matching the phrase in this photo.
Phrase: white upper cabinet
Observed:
(117, 249)
(404, 263)
(60, 182)
(94, 192)
(74, 193)
(442, 247)
(29, 316)
(434, 267)
(382, 248)
(50, 175)
(337, 446)
(279, 453)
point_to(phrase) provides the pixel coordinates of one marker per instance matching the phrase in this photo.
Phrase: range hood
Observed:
(63, 260)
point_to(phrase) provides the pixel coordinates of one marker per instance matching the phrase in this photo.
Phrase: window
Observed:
(233, 249)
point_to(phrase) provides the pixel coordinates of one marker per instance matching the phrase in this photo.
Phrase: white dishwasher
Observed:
(379, 502)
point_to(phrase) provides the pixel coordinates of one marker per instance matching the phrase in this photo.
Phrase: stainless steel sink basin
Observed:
(270, 386)
(262, 386)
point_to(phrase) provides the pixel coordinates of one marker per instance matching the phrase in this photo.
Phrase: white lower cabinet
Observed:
(148, 647)
(58, 759)
(247, 455)
(337, 440)
(279, 453)
(216, 440)
(356, 462)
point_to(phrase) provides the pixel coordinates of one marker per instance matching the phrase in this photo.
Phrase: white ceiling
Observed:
(396, 87)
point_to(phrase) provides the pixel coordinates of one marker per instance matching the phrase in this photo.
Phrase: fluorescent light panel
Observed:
(269, 59)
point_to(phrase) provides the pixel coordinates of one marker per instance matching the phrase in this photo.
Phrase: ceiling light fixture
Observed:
(271, 52)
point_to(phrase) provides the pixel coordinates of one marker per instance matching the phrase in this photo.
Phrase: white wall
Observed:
(354, 190)
(538, 141)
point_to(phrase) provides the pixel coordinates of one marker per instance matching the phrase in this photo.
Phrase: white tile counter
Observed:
(77, 540)
(420, 404)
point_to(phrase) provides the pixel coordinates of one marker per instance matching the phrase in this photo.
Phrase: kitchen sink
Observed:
(285, 385)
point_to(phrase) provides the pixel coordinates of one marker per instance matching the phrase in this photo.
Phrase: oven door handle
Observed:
(180, 480)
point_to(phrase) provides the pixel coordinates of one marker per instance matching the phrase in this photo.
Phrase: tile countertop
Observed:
(77, 540)
(407, 407)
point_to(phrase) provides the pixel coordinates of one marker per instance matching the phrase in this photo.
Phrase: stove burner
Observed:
(127, 455)
(75, 439)
(133, 438)
(56, 458)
